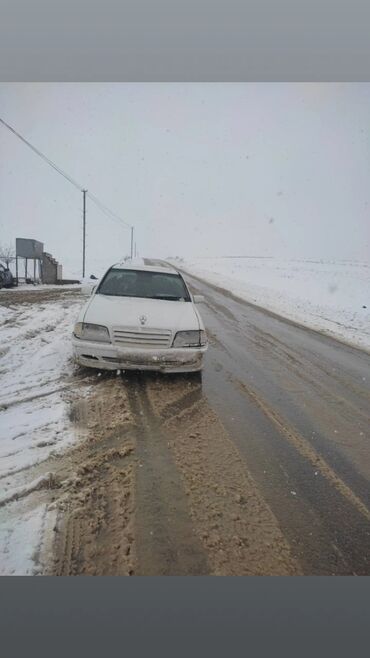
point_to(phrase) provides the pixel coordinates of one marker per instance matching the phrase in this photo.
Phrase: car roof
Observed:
(146, 265)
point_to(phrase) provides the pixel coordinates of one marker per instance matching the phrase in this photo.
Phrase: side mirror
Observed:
(198, 299)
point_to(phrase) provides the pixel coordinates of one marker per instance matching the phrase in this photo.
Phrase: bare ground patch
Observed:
(94, 528)
(36, 295)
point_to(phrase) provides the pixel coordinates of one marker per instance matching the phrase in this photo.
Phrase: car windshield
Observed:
(138, 283)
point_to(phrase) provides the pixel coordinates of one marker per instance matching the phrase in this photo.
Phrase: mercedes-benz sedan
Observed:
(141, 317)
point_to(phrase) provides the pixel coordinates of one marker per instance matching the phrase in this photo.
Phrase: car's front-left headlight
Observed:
(190, 339)
(94, 332)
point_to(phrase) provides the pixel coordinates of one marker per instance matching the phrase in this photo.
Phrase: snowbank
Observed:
(35, 370)
(21, 540)
(35, 358)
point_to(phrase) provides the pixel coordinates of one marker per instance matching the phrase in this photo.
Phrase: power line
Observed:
(100, 204)
(44, 157)
(109, 213)
(106, 210)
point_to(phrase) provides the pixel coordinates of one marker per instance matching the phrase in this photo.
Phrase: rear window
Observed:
(137, 283)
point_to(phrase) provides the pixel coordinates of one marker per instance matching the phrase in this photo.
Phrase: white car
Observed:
(140, 317)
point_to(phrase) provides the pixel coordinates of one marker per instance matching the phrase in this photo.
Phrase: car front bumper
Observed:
(106, 356)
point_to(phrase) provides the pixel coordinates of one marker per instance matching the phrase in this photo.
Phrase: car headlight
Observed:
(190, 339)
(88, 331)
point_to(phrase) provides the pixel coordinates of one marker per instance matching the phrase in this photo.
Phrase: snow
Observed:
(19, 492)
(35, 370)
(31, 432)
(326, 295)
(35, 347)
(21, 540)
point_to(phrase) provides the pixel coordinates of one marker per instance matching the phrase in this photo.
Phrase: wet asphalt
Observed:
(297, 405)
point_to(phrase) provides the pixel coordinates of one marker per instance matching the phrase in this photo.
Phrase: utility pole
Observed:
(84, 233)
(93, 198)
(132, 242)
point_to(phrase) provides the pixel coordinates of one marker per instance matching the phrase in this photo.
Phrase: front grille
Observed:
(144, 338)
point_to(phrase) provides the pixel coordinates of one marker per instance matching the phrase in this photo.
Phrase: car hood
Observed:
(126, 312)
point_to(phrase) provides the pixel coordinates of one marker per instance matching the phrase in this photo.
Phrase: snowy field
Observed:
(329, 296)
(35, 372)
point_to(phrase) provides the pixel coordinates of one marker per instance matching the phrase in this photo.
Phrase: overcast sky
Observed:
(199, 169)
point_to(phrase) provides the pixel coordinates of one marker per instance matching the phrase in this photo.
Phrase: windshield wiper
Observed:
(170, 298)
